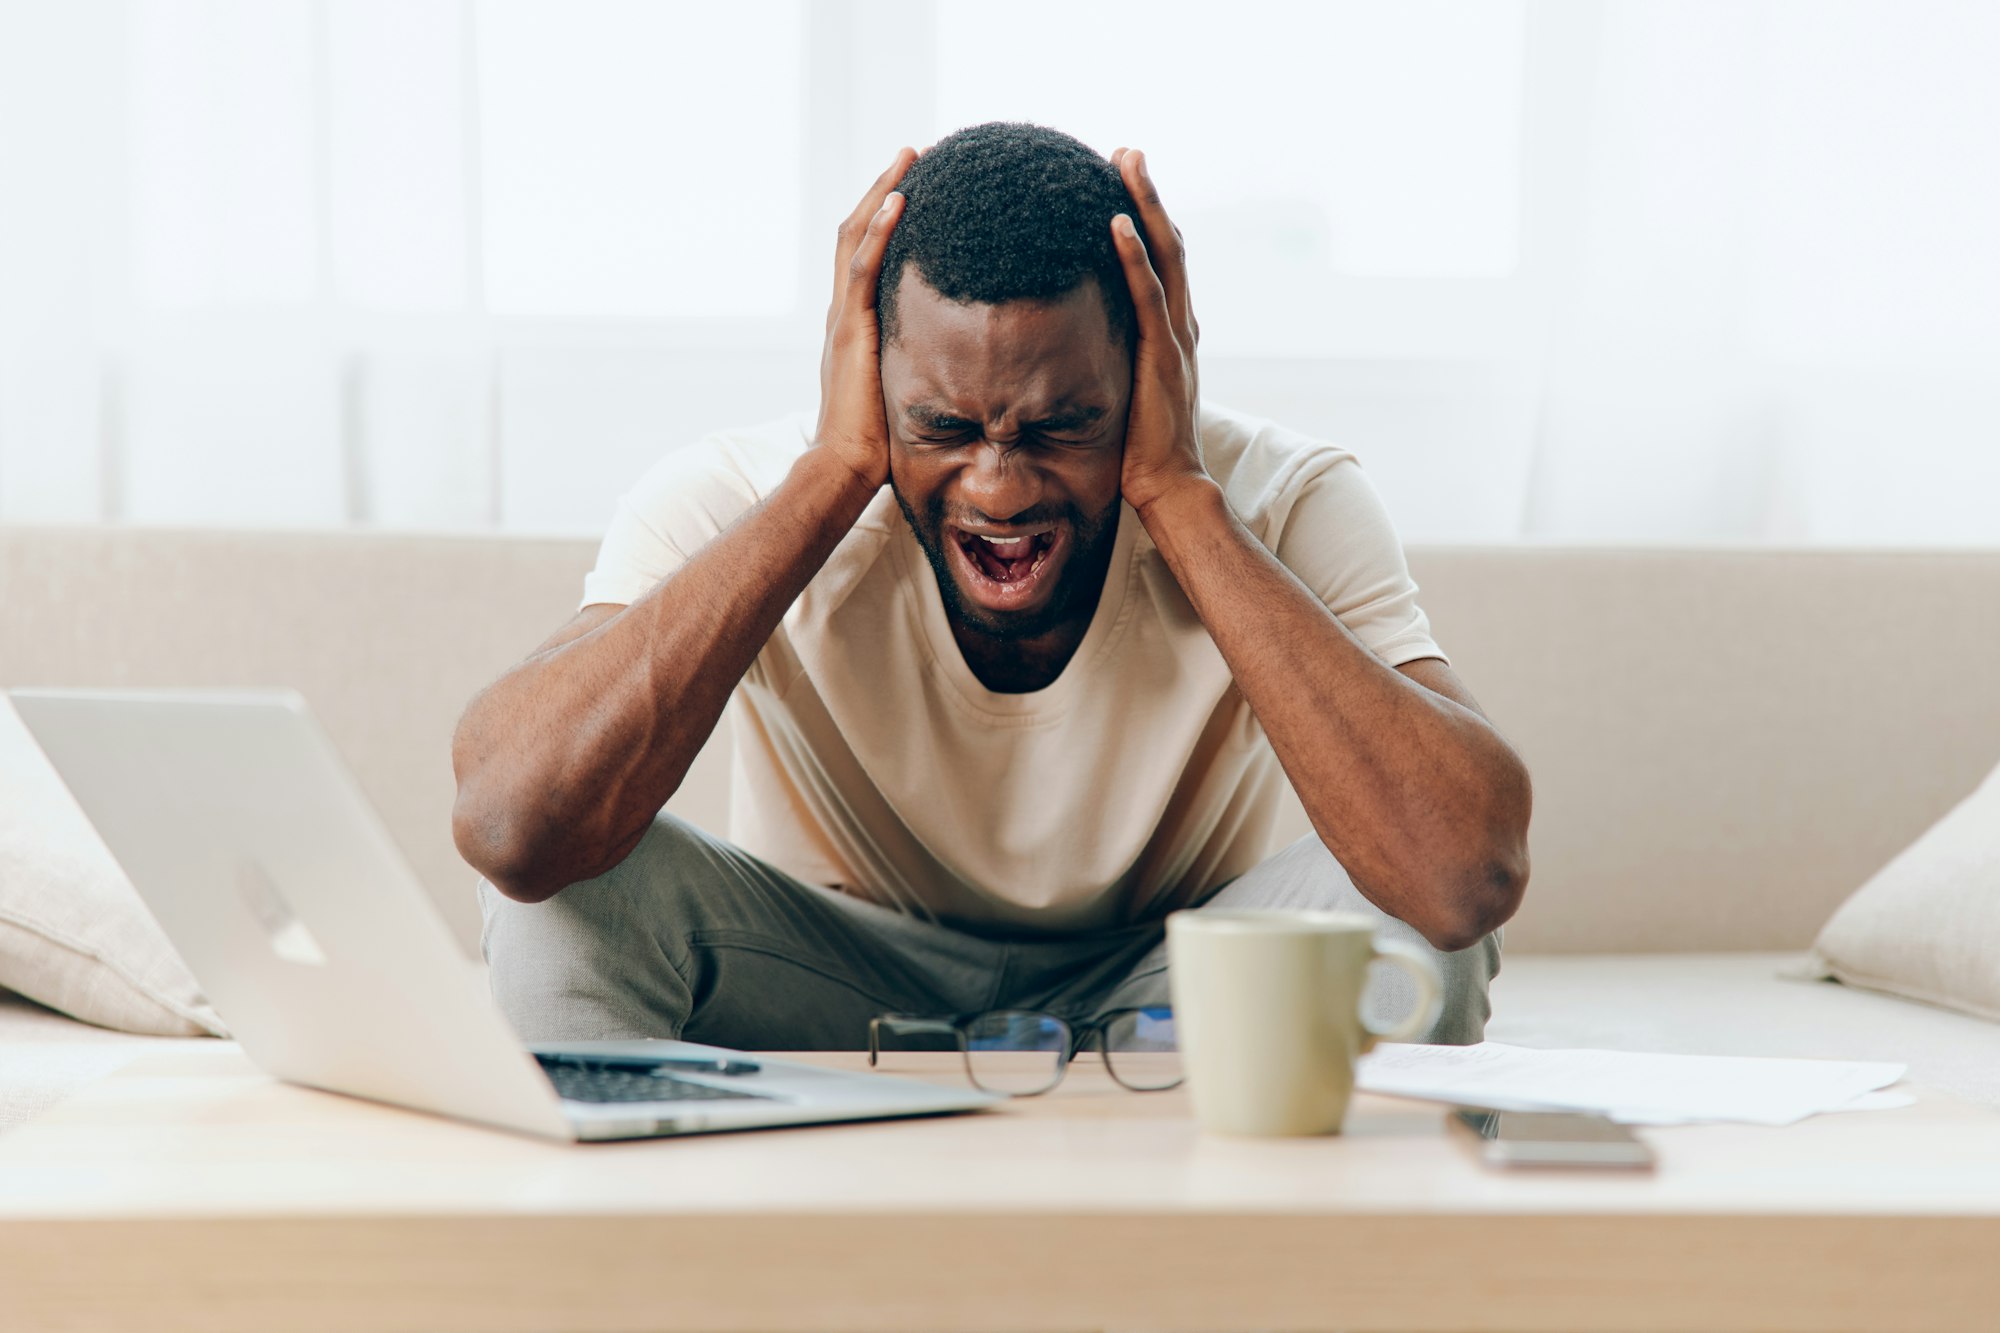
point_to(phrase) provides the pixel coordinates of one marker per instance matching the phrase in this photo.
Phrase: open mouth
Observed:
(1008, 570)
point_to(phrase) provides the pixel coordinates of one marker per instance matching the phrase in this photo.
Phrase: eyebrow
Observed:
(931, 417)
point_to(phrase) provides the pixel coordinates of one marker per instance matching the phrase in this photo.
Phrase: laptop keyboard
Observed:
(591, 1082)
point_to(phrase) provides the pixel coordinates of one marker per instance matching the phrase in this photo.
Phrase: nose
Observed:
(1000, 481)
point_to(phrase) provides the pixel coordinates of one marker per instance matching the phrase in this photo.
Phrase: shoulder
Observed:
(1265, 468)
(685, 500)
(1310, 503)
(696, 491)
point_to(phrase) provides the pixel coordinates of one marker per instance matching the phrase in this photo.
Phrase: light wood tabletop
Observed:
(190, 1191)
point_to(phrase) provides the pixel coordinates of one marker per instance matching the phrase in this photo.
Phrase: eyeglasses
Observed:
(1023, 1052)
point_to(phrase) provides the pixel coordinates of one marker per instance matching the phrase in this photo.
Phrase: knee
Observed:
(1462, 1006)
(1466, 975)
(606, 957)
(670, 854)
(1306, 876)
(648, 895)
(1463, 974)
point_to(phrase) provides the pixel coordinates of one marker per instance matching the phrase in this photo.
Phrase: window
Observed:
(1555, 268)
(1300, 147)
(641, 160)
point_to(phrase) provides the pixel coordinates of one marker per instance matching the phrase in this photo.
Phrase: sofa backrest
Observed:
(1724, 743)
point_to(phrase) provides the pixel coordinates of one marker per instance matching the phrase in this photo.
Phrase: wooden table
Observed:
(192, 1192)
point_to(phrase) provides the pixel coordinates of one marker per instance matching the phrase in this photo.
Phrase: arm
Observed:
(563, 762)
(1409, 786)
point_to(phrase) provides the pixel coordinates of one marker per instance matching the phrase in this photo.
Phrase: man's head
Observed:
(1007, 212)
(1007, 335)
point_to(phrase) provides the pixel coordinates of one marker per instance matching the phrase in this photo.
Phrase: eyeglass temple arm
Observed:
(903, 1025)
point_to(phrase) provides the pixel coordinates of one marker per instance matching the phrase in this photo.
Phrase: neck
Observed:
(1022, 666)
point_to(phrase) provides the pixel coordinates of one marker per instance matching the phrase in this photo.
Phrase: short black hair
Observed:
(1009, 212)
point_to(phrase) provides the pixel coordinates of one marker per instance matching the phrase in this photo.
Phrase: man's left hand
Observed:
(1163, 430)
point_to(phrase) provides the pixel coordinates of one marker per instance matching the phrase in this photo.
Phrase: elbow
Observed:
(1454, 868)
(520, 889)
(1486, 899)
(1462, 905)
(499, 849)
(488, 830)
(1489, 886)
(1485, 888)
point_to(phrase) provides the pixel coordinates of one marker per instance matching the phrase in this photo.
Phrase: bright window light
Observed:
(223, 159)
(397, 136)
(1361, 139)
(641, 160)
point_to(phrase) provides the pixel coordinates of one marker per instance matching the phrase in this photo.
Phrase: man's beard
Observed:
(1077, 587)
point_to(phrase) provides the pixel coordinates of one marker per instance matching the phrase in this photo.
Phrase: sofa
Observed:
(1725, 743)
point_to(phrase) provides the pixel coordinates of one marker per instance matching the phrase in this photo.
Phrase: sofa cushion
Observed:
(1736, 1004)
(1734, 810)
(1927, 925)
(74, 934)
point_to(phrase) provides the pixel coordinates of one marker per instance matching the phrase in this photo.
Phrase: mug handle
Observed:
(1430, 994)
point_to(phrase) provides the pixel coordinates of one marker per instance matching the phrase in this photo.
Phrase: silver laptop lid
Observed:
(277, 882)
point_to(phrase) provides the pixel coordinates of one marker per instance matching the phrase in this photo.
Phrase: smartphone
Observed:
(1548, 1138)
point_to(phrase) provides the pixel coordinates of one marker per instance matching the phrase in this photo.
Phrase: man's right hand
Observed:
(850, 368)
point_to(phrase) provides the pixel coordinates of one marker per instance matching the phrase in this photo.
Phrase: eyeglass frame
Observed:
(956, 1025)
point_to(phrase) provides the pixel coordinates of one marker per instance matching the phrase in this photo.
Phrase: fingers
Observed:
(855, 225)
(851, 228)
(1149, 296)
(864, 266)
(1164, 238)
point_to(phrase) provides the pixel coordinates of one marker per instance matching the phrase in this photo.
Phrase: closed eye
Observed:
(930, 427)
(1076, 426)
(1083, 427)
(1066, 432)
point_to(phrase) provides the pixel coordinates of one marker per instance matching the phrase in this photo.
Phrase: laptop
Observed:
(235, 819)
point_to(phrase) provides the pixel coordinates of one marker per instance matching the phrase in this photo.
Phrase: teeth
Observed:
(1010, 547)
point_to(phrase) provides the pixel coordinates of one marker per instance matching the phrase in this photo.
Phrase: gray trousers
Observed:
(690, 937)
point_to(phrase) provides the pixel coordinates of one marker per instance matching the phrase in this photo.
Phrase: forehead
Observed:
(1024, 355)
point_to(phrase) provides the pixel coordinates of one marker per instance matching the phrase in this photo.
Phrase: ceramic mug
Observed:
(1267, 1010)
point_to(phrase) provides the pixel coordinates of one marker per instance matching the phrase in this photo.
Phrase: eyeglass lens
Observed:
(1016, 1052)
(1141, 1051)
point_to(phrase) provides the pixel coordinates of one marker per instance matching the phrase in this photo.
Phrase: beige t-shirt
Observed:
(870, 758)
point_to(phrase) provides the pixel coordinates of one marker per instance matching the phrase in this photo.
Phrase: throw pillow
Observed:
(1927, 926)
(74, 934)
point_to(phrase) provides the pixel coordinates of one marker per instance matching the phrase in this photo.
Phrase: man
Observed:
(986, 743)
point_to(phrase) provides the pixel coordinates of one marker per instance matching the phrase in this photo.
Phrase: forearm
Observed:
(1416, 795)
(563, 762)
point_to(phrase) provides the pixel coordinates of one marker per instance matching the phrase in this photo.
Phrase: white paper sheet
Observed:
(1631, 1087)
